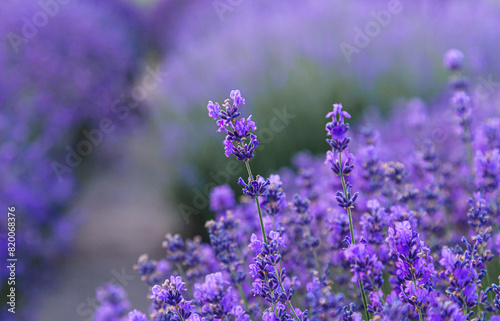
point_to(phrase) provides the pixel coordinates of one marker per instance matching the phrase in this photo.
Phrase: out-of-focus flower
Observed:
(453, 59)
(63, 65)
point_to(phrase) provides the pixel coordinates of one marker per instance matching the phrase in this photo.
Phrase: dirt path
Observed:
(126, 216)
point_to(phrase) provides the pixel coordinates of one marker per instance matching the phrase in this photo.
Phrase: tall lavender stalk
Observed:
(339, 142)
(241, 142)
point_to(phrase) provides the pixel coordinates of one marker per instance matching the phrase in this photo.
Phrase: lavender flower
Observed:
(463, 278)
(221, 198)
(367, 269)
(337, 129)
(274, 199)
(462, 104)
(151, 271)
(488, 169)
(136, 315)
(113, 302)
(446, 310)
(170, 303)
(269, 278)
(346, 200)
(339, 142)
(453, 59)
(218, 302)
(223, 241)
(414, 267)
(373, 223)
(496, 290)
(238, 131)
(256, 188)
(349, 314)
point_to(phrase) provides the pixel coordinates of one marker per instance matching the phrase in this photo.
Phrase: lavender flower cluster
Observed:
(400, 224)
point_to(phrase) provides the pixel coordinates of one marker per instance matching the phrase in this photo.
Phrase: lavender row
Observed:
(396, 223)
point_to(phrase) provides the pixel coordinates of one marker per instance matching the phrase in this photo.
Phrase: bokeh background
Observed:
(105, 143)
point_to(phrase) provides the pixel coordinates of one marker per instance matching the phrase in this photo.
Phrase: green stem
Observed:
(178, 314)
(316, 258)
(181, 271)
(377, 291)
(470, 153)
(363, 296)
(463, 301)
(240, 290)
(291, 308)
(245, 303)
(318, 265)
(249, 170)
(344, 187)
(479, 303)
(274, 308)
(289, 303)
(487, 282)
(272, 304)
(415, 285)
(351, 229)
(263, 230)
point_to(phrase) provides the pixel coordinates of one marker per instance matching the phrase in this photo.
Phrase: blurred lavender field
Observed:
(105, 144)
